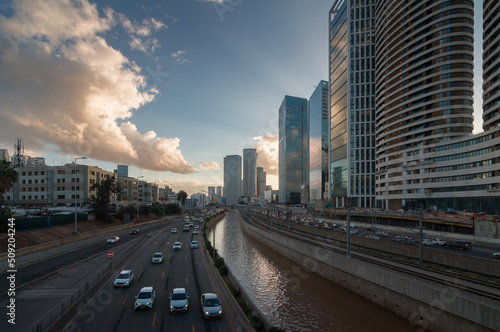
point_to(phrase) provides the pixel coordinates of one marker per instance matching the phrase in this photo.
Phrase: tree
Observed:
(181, 196)
(100, 202)
(8, 176)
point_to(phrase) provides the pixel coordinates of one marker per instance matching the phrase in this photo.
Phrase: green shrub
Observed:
(223, 270)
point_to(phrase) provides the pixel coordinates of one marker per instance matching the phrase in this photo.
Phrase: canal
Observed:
(289, 296)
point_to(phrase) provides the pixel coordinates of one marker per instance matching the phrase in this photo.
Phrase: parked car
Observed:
(439, 242)
(177, 246)
(496, 255)
(157, 258)
(178, 300)
(194, 244)
(113, 240)
(173, 231)
(427, 242)
(145, 298)
(211, 307)
(134, 231)
(124, 279)
(460, 245)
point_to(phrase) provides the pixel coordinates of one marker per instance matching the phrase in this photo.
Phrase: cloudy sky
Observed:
(168, 87)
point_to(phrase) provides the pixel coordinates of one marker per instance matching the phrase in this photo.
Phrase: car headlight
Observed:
(137, 303)
(149, 302)
(206, 313)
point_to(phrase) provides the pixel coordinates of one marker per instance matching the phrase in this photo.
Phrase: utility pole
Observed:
(348, 230)
(421, 235)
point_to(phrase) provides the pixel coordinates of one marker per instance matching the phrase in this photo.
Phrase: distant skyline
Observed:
(169, 88)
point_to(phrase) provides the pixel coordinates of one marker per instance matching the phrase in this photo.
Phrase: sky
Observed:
(168, 87)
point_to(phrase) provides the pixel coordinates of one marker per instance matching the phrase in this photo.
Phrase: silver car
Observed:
(157, 258)
(178, 300)
(177, 246)
(113, 240)
(145, 298)
(210, 306)
(124, 279)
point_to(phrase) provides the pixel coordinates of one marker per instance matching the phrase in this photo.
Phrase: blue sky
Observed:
(168, 87)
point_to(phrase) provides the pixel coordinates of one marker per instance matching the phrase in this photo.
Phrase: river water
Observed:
(289, 296)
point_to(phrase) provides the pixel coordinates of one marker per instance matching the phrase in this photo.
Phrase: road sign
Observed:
(110, 254)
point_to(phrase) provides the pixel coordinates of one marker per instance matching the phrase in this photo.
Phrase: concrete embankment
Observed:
(427, 304)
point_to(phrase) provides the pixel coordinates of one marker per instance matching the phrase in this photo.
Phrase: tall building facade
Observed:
(4, 155)
(293, 149)
(232, 179)
(261, 181)
(319, 127)
(424, 88)
(249, 173)
(352, 103)
(491, 64)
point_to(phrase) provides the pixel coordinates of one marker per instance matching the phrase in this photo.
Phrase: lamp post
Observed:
(139, 177)
(76, 218)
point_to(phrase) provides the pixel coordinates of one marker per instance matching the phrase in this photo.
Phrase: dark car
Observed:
(460, 245)
(134, 231)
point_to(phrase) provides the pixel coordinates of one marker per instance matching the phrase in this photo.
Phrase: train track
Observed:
(462, 283)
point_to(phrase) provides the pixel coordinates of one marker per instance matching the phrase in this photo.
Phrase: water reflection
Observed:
(289, 296)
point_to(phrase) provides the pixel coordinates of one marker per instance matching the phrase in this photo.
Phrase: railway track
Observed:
(485, 289)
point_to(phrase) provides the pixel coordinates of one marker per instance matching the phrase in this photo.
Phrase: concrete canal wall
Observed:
(425, 304)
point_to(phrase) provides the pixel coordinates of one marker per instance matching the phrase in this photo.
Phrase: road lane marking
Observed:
(192, 327)
(154, 319)
(187, 283)
(125, 299)
(163, 274)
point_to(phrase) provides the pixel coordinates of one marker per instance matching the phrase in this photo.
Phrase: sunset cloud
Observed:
(267, 153)
(210, 165)
(63, 88)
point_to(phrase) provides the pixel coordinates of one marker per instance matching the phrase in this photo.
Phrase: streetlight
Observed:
(76, 228)
(140, 176)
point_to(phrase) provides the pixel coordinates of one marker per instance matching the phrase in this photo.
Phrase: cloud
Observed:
(267, 153)
(62, 87)
(139, 31)
(210, 165)
(179, 56)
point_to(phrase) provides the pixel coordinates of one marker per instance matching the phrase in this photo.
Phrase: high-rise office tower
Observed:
(211, 195)
(319, 126)
(261, 181)
(293, 149)
(491, 64)
(232, 179)
(249, 172)
(352, 103)
(424, 87)
(219, 193)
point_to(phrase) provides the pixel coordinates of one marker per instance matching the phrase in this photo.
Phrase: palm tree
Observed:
(8, 176)
(181, 196)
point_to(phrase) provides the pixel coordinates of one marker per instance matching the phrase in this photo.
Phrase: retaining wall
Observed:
(423, 303)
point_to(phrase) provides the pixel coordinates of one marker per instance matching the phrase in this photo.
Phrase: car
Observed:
(496, 255)
(185, 229)
(173, 230)
(194, 244)
(178, 300)
(177, 246)
(196, 227)
(113, 240)
(211, 307)
(124, 279)
(134, 232)
(191, 224)
(145, 298)
(157, 258)
(460, 245)
(195, 231)
(439, 242)
(427, 242)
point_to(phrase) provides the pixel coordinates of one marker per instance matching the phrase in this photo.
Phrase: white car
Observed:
(174, 230)
(178, 300)
(210, 306)
(194, 244)
(439, 242)
(124, 279)
(496, 255)
(145, 298)
(427, 242)
(157, 258)
(113, 240)
(177, 246)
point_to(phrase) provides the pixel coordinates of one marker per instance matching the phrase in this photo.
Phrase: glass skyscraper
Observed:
(232, 179)
(319, 126)
(249, 172)
(293, 149)
(352, 103)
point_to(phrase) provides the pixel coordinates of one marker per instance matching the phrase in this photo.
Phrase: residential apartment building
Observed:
(426, 154)
(319, 125)
(293, 149)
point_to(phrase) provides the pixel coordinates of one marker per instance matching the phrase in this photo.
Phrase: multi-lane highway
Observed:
(109, 309)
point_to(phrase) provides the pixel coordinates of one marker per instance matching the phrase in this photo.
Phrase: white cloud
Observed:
(139, 31)
(268, 153)
(210, 165)
(63, 86)
(179, 56)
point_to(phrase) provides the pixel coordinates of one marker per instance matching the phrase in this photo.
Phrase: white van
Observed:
(354, 229)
